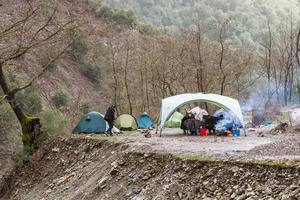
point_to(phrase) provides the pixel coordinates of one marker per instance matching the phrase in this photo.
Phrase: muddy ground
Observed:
(80, 168)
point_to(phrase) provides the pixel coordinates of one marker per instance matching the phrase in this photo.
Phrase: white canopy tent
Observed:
(170, 104)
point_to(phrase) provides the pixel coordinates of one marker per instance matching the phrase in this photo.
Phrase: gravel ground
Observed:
(288, 148)
(285, 146)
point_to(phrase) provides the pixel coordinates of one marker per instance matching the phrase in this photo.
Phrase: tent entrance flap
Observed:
(170, 104)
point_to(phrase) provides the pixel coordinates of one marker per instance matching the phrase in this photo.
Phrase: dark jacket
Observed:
(110, 114)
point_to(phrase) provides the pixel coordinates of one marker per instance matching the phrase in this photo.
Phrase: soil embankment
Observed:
(92, 169)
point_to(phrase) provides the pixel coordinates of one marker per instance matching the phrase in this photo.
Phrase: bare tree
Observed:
(221, 41)
(32, 29)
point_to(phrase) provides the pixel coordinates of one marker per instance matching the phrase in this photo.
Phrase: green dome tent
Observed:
(126, 122)
(174, 121)
(93, 122)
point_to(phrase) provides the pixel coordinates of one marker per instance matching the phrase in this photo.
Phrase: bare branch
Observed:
(44, 69)
(45, 25)
(3, 98)
(30, 13)
(23, 50)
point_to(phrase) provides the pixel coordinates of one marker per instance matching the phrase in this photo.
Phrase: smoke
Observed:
(257, 96)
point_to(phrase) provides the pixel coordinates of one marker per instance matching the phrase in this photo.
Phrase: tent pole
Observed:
(244, 131)
(160, 132)
(156, 129)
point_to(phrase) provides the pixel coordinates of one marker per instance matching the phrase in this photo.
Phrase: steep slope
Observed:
(90, 169)
(67, 76)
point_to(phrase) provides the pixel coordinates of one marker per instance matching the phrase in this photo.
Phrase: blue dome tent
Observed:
(92, 122)
(144, 121)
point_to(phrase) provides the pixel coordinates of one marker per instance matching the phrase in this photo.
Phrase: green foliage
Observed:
(48, 59)
(30, 100)
(79, 46)
(53, 122)
(245, 15)
(92, 70)
(117, 15)
(60, 99)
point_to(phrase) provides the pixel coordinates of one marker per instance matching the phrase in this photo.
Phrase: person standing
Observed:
(110, 118)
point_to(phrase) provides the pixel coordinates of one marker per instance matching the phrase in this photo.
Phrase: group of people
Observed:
(197, 118)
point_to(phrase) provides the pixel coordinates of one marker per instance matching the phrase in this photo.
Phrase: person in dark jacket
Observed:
(110, 118)
(183, 126)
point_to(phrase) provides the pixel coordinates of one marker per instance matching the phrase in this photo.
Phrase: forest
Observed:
(244, 49)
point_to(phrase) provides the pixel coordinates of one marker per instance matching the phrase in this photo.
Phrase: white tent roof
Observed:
(170, 104)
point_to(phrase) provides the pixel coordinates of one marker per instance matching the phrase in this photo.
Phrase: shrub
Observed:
(53, 122)
(60, 99)
(9, 125)
(30, 100)
(49, 59)
(79, 46)
(92, 71)
(85, 106)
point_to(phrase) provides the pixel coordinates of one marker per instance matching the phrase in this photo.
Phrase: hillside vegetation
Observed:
(248, 18)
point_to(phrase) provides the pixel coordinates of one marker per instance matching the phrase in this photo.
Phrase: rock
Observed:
(179, 195)
(233, 195)
(242, 197)
(114, 172)
(48, 191)
(121, 162)
(102, 181)
(55, 150)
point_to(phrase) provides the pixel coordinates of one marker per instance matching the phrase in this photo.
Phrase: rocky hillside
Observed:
(92, 169)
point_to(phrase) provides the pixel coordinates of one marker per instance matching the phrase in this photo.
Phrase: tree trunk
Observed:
(222, 89)
(142, 90)
(115, 79)
(28, 123)
(126, 80)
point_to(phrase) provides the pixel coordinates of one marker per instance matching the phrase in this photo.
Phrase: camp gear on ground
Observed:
(236, 132)
(203, 131)
(144, 121)
(293, 117)
(147, 133)
(193, 124)
(170, 104)
(266, 123)
(280, 128)
(174, 121)
(126, 122)
(198, 113)
(92, 122)
(258, 116)
(228, 133)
